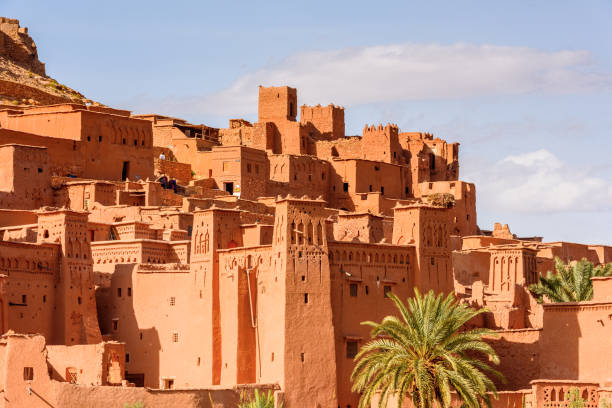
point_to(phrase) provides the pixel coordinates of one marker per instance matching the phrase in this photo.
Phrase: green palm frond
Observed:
(260, 400)
(570, 283)
(424, 354)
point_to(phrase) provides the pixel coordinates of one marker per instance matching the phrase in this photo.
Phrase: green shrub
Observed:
(260, 400)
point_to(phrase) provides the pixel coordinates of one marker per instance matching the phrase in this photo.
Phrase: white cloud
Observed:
(390, 73)
(539, 182)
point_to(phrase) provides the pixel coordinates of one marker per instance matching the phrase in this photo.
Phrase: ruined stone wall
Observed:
(19, 92)
(17, 46)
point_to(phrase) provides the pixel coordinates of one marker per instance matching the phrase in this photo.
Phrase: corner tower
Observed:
(75, 318)
(297, 344)
(428, 229)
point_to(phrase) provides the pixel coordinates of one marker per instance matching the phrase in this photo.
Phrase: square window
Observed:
(127, 357)
(353, 289)
(351, 349)
(129, 291)
(118, 292)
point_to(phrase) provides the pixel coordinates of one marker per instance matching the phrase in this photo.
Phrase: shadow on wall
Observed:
(562, 334)
(117, 320)
(519, 354)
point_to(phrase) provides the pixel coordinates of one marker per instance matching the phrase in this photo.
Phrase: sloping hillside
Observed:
(23, 80)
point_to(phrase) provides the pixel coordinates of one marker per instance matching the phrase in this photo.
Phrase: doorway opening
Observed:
(125, 171)
(229, 187)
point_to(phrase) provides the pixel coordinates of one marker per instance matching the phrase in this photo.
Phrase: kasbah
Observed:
(147, 260)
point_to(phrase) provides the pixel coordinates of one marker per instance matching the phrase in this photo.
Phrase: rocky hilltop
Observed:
(23, 80)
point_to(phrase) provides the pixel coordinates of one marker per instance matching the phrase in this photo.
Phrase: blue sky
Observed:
(524, 86)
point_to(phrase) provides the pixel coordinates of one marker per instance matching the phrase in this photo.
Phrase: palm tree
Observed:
(571, 283)
(424, 355)
(260, 400)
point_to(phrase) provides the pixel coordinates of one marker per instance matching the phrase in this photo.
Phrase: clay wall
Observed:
(75, 158)
(33, 271)
(139, 251)
(144, 306)
(298, 175)
(245, 169)
(297, 306)
(99, 135)
(91, 364)
(463, 213)
(75, 319)
(258, 136)
(181, 172)
(469, 267)
(323, 122)
(569, 251)
(359, 227)
(291, 138)
(68, 395)
(18, 352)
(521, 357)
(277, 104)
(507, 399)
(428, 229)
(134, 230)
(575, 340)
(354, 183)
(24, 177)
(257, 234)
(239, 270)
(604, 253)
(361, 275)
(380, 143)
(84, 195)
(22, 233)
(483, 241)
(17, 217)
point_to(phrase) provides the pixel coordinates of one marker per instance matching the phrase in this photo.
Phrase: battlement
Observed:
(326, 122)
(381, 143)
(388, 130)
